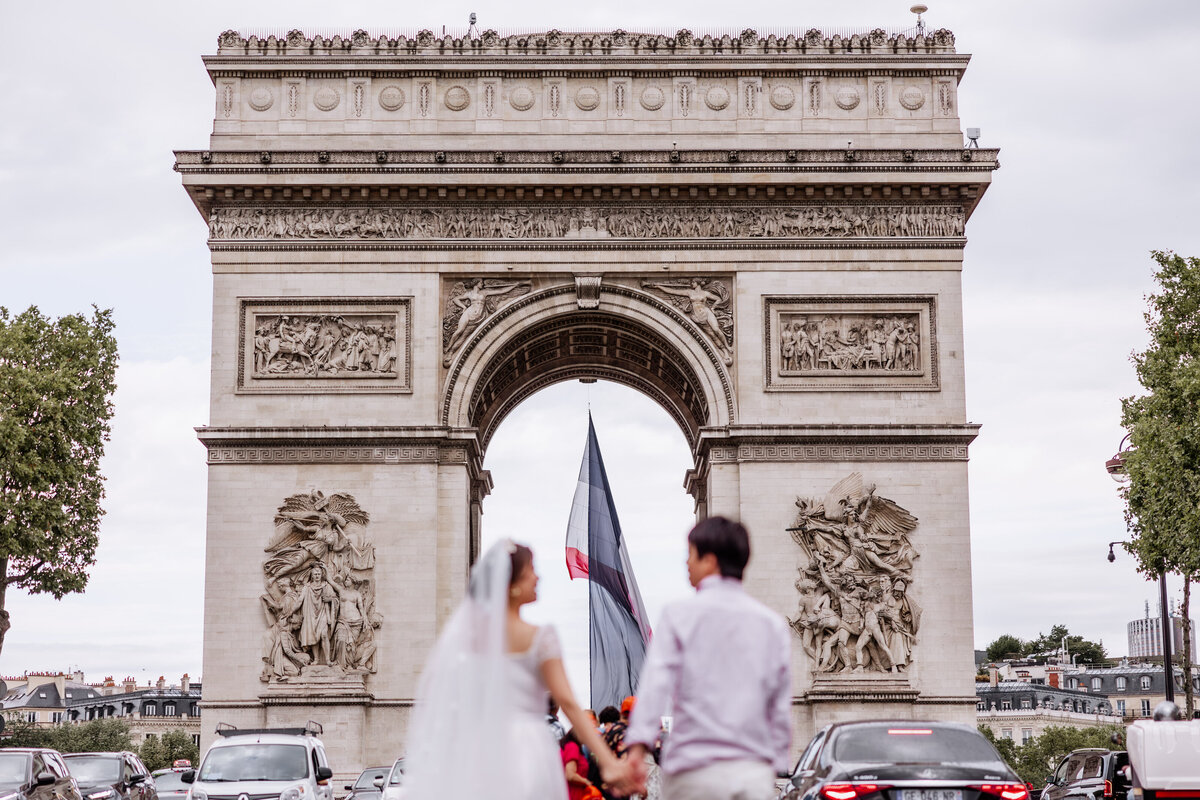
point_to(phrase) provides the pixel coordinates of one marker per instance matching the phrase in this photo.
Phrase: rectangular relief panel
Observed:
(324, 345)
(850, 343)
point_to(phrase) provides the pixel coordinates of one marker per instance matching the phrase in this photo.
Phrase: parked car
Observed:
(35, 773)
(902, 761)
(111, 776)
(169, 783)
(365, 787)
(283, 763)
(1164, 759)
(1089, 774)
(393, 789)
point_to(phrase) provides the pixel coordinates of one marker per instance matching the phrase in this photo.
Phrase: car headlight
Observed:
(294, 793)
(198, 794)
(103, 794)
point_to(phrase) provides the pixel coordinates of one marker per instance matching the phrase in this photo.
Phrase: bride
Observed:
(479, 725)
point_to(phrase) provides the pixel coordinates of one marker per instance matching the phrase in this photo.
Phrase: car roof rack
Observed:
(310, 729)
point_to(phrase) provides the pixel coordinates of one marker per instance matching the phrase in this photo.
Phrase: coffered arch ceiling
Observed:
(632, 339)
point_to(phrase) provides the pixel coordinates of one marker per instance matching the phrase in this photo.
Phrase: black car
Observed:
(111, 776)
(902, 761)
(35, 773)
(366, 788)
(1091, 774)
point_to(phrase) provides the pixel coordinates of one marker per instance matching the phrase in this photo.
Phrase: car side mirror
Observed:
(134, 780)
(44, 779)
(188, 776)
(348, 788)
(801, 776)
(324, 773)
(378, 783)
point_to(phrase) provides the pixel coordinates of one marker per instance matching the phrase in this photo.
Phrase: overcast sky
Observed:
(1092, 102)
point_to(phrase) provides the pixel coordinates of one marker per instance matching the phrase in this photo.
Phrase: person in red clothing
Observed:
(575, 766)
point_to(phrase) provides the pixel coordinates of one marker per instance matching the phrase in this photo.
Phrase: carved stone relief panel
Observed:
(859, 343)
(319, 603)
(653, 221)
(470, 302)
(707, 302)
(324, 345)
(855, 613)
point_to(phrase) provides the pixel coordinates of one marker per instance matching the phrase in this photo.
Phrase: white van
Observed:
(263, 764)
(1164, 757)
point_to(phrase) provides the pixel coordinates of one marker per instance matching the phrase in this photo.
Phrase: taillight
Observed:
(1005, 791)
(849, 791)
(1108, 789)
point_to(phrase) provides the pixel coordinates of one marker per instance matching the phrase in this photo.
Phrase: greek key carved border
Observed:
(833, 451)
(332, 454)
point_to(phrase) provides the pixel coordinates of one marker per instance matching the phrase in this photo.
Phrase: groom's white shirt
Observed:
(721, 660)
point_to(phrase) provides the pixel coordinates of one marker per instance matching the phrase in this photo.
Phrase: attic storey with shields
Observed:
(411, 234)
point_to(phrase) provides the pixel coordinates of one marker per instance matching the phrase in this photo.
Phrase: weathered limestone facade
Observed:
(409, 236)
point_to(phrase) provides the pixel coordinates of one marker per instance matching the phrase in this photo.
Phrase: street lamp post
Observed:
(1115, 467)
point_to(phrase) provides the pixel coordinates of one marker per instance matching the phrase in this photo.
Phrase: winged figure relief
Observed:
(707, 302)
(469, 304)
(855, 611)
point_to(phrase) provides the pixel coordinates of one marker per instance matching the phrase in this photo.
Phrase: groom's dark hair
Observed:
(727, 540)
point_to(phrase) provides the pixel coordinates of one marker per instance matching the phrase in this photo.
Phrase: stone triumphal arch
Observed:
(410, 235)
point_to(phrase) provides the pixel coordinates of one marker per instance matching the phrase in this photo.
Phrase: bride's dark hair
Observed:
(521, 557)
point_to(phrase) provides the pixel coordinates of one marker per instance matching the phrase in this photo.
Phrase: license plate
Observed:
(930, 794)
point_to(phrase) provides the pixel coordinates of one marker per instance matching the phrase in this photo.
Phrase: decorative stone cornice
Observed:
(749, 443)
(615, 43)
(340, 445)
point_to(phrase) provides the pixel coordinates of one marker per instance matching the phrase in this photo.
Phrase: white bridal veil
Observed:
(458, 738)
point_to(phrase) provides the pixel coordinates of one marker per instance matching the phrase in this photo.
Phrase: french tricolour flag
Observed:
(619, 630)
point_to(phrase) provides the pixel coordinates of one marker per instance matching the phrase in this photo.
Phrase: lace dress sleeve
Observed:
(547, 646)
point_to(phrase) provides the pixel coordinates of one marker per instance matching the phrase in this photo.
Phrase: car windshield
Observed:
(170, 782)
(397, 776)
(13, 769)
(256, 762)
(910, 744)
(94, 770)
(368, 778)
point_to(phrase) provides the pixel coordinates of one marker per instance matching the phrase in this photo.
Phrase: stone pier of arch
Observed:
(409, 236)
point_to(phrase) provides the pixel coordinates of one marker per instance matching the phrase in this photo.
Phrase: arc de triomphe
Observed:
(410, 236)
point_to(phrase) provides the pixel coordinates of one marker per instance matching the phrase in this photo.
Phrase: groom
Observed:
(722, 658)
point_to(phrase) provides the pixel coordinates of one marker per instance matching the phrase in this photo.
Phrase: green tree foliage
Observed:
(161, 752)
(97, 736)
(57, 379)
(1164, 430)
(1006, 646)
(1036, 761)
(1089, 652)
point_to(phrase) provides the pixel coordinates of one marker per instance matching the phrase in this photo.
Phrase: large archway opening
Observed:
(534, 458)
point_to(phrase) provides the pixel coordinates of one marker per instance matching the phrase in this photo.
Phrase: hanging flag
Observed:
(619, 630)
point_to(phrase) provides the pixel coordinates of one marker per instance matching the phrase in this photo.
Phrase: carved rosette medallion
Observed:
(717, 98)
(587, 99)
(469, 303)
(707, 302)
(261, 99)
(521, 98)
(782, 97)
(856, 613)
(319, 603)
(846, 98)
(653, 98)
(457, 98)
(850, 343)
(327, 98)
(314, 345)
(912, 98)
(391, 98)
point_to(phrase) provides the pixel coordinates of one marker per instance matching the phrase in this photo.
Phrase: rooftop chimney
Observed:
(993, 676)
(130, 684)
(161, 683)
(185, 683)
(1052, 675)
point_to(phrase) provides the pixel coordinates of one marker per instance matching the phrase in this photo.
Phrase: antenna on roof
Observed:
(472, 31)
(919, 10)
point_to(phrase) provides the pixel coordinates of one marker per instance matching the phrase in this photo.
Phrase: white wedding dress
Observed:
(479, 728)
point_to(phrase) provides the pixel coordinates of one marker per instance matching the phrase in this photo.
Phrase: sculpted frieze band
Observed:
(631, 222)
